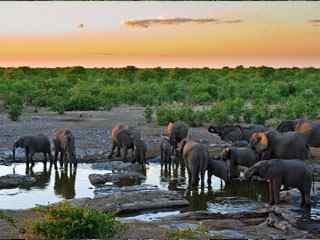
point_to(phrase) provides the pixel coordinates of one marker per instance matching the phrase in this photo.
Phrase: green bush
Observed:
(14, 111)
(65, 222)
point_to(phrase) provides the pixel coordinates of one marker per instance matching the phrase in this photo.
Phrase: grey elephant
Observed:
(309, 129)
(243, 156)
(195, 156)
(234, 133)
(114, 136)
(140, 150)
(219, 168)
(64, 144)
(290, 173)
(165, 151)
(33, 144)
(124, 141)
(272, 144)
(176, 132)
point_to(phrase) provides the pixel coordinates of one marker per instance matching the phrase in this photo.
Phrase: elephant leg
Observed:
(61, 158)
(307, 200)
(118, 151)
(27, 154)
(271, 197)
(189, 175)
(31, 159)
(125, 152)
(56, 153)
(202, 178)
(161, 157)
(112, 150)
(276, 190)
(209, 178)
(45, 157)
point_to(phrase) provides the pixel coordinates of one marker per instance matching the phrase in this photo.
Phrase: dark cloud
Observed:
(146, 23)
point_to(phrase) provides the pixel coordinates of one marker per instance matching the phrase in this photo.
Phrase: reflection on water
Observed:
(53, 184)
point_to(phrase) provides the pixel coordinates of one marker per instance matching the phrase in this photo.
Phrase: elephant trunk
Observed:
(14, 152)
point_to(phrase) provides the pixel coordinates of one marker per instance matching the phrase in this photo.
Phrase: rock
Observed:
(15, 180)
(99, 179)
(226, 234)
(290, 195)
(107, 190)
(138, 201)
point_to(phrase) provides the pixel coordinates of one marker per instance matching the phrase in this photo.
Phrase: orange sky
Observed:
(150, 34)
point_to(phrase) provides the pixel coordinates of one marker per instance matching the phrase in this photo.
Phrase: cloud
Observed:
(314, 22)
(146, 23)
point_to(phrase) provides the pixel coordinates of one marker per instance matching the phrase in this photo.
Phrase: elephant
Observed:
(140, 150)
(176, 132)
(272, 144)
(196, 156)
(243, 156)
(165, 151)
(310, 129)
(114, 133)
(124, 140)
(233, 133)
(64, 144)
(292, 173)
(33, 144)
(218, 168)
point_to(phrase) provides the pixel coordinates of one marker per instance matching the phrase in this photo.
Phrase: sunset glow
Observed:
(166, 34)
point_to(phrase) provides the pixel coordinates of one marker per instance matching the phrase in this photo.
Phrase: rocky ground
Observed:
(93, 142)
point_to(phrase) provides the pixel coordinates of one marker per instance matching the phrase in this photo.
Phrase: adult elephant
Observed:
(64, 144)
(196, 157)
(114, 137)
(290, 173)
(236, 133)
(272, 144)
(176, 132)
(309, 129)
(33, 144)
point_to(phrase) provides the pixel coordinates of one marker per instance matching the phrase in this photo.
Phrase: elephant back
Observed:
(115, 130)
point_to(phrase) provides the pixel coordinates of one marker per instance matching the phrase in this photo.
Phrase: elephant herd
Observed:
(276, 155)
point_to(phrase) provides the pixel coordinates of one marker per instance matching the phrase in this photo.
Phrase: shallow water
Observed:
(55, 184)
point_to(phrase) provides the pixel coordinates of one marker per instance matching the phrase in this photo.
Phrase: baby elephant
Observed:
(220, 169)
(165, 151)
(32, 145)
(140, 150)
(243, 156)
(290, 173)
(64, 144)
(196, 158)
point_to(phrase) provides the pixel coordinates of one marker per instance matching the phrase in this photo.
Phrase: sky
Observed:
(165, 34)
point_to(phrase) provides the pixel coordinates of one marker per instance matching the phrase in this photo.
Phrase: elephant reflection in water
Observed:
(198, 200)
(174, 175)
(64, 182)
(42, 177)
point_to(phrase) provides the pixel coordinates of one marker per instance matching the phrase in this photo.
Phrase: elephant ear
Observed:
(264, 169)
(226, 153)
(260, 141)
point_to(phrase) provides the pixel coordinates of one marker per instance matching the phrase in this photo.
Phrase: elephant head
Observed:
(20, 143)
(259, 142)
(226, 132)
(260, 169)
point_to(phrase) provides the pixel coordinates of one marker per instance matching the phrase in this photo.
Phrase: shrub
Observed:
(65, 222)
(14, 106)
